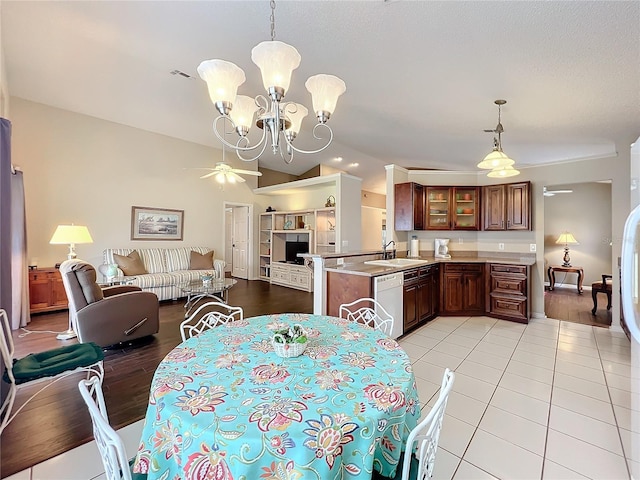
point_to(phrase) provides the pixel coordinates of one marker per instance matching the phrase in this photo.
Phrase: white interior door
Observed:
(228, 239)
(240, 237)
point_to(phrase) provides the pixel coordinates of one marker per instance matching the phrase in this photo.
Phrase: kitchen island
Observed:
(492, 284)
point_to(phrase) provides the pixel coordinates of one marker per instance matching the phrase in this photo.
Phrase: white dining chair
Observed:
(368, 312)
(422, 443)
(198, 322)
(44, 368)
(111, 447)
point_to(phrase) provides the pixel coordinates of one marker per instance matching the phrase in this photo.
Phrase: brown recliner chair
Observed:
(111, 315)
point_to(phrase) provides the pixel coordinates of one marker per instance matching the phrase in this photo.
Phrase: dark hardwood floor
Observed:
(567, 304)
(57, 419)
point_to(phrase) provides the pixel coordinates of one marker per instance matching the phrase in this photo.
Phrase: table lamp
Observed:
(567, 239)
(71, 234)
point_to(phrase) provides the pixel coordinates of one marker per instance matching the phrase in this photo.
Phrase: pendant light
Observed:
(497, 161)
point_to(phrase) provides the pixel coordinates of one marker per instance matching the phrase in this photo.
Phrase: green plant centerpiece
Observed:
(289, 342)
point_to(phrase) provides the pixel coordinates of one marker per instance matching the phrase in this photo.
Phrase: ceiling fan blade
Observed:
(211, 174)
(235, 176)
(246, 172)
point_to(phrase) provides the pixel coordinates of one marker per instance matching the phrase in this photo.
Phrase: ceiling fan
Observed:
(226, 173)
(551, 193)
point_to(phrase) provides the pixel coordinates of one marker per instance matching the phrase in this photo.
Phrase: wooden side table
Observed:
(558, 268)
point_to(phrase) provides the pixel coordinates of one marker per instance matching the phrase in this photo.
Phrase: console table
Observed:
(558, 268)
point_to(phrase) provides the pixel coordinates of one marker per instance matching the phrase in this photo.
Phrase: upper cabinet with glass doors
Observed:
(452, 208)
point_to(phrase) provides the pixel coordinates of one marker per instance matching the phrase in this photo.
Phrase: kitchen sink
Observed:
(397, 262)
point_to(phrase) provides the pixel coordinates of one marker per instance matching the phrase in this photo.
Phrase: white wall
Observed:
(4, 85)
(83, 170)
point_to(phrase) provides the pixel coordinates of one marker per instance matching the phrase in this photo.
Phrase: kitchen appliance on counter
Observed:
(388, 292)
(441, 248)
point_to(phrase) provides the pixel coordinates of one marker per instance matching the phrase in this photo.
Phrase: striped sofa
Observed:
(167, 268)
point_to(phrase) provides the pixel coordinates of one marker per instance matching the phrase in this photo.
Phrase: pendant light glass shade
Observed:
(242, 113)
(276, 61)
(325, 90)
(223, 79)
(296, 117)
(503, 172)
(495, 159)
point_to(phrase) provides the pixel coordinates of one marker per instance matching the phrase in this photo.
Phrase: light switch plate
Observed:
(532, 247)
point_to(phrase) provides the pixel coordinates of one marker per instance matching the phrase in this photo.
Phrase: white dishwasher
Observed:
(388, 292)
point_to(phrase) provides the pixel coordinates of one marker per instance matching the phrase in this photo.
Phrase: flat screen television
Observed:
(292, 249)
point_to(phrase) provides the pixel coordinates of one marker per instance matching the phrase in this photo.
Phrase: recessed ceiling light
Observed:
(354, 164)
(337, 159)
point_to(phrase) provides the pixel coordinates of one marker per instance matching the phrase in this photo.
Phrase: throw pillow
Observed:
(200, 261)
(130, 264)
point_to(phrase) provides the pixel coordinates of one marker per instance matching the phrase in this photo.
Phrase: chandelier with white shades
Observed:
(497, 161)
(280, 121)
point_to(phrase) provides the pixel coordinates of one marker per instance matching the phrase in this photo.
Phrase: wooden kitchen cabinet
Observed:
(452, 208)
(409, 206)
(46, 291)
(506, 206)
(421, 295)
(508, 292)
(462, 289)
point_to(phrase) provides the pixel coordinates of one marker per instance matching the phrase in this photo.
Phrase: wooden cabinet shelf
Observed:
(46, 291)
(452, 208)
(409, 201)
(508, 292)
(462, 289)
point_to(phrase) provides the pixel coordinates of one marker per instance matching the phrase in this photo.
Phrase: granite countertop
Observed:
(361, 268)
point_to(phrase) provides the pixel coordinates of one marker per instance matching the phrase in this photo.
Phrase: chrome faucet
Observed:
(392, 253)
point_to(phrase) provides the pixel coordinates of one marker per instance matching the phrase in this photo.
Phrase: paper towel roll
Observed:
(414, 248)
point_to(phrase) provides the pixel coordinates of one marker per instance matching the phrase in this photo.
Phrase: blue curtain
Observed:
(5, 216)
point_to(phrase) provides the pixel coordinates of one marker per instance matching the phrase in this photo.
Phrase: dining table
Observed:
(224, 405)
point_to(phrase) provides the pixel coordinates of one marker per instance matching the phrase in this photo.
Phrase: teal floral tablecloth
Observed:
(223, 405)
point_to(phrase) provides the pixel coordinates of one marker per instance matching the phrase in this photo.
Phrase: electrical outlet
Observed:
(345, 243)
(501, 246)
(532, 247)
(340, 261)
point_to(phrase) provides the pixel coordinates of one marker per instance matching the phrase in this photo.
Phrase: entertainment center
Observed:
(283, 235)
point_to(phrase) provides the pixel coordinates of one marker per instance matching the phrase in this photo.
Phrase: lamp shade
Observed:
(495, 159)
(325, 90)
(223, 79)
(242, 113)
(567, 238)
(503, 172)
(276, 61)
(71, 234)
(296, 117)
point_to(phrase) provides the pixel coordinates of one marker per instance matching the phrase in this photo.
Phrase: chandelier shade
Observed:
(223, 79)
(503, 172)
(244, 108)
(280, 121)
(495, 159)
(296, 114)
(325, 90)
(276, 60)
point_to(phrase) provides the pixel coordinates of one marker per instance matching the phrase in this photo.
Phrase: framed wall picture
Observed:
(148, 223)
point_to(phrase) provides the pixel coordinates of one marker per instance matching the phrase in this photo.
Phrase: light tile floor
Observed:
(547, 400)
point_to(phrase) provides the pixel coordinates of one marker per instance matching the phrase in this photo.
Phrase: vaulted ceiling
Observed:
(421, 76)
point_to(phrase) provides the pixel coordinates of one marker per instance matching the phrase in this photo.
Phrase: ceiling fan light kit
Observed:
(278, 120)
(497, 161)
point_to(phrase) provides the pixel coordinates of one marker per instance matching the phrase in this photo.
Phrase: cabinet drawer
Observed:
(428, 270)
(508, 285)
(514, 308)
(411, 275)
(517, 269)
(463, 267)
